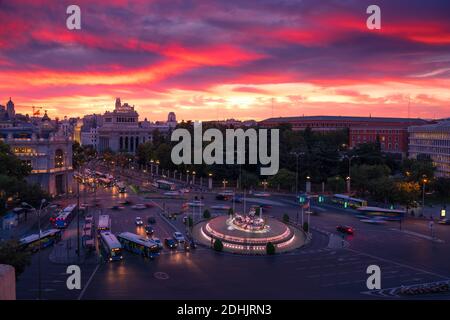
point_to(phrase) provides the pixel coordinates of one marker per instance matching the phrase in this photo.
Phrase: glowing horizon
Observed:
(217, 60)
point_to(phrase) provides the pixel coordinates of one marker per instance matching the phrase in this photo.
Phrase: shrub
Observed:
(270, 248)
(305, 227)
(218, 245)
(286, 218)
(206, 214)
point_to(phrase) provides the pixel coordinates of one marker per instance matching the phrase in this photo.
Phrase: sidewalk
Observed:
(65, 252)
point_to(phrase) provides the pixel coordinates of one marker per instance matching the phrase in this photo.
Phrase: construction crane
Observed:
(36, 112)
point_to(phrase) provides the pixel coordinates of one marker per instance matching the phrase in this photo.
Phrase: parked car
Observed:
(139, 221)
(345, 229)
(178, 236)
(139, 206)
(444, 221)
(171, 243)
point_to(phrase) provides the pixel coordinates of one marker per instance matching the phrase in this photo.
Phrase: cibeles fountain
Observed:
(249, 233)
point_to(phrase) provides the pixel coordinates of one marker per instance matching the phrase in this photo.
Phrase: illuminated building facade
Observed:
(432, 141)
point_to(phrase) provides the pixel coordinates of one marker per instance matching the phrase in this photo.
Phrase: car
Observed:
(139, 206)
(345, 229)
(171, 243)
(115, 207)
(444, 221)
(178, 236)
(139, 221)
(151, 220)
(158, 242)
(149, 230)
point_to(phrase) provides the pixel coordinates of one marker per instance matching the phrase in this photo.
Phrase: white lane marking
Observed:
(88, 282)
(400, 264)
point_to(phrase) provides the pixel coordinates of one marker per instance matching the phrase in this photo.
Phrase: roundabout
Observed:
(249, 234)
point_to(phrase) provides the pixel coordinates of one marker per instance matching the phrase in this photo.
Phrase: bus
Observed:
(348, 202)
(165, 185)
(138, 244)
(110, 246)
(387, 214)
(48, 238)
(104, 223)
(65, 217)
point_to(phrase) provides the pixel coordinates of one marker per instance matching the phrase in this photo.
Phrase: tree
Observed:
(336, 184)
(284, 179)
(416, 169)
(442, 188)
(406, 192)
(12, 254)
(218, 245)
(270, 248)
(286, 218)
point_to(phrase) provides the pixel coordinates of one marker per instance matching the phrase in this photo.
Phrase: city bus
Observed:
(139, 245)
(387, 214)
(104, 223)
(110, 246)
(348, 202)
(165, 185)
(65, 217)
(48, 238)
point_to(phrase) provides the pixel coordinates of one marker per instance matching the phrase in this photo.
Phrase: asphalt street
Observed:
(315, 271)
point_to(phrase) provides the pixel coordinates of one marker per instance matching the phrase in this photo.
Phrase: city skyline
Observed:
(219, 60)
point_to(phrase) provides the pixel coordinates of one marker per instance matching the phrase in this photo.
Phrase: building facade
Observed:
(432, 141)
(43, 144)
(392, 133)
(120, 130)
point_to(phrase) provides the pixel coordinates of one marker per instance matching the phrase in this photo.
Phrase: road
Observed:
(316, 271)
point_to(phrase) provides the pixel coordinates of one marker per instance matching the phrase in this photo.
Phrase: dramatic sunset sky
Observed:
(211, 59)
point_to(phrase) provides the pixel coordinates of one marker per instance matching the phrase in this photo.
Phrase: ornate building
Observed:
(121, 130)
(43, 146)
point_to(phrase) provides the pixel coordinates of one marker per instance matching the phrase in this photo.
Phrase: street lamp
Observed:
(297, 155)
(424, 182)
(225, 182)
(264, 183)
(349, 178)
(193, 177)
(43, 201)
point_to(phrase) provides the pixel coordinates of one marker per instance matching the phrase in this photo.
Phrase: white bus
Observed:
(104, 223)
(138, 244)
(347, 201)
(111, 246)
(386, 214)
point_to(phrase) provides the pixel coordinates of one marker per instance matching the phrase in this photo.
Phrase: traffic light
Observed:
(443, 212)
(301, 199)
(321, 199)
(345, 204)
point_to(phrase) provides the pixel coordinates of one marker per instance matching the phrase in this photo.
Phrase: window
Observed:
(59, 158)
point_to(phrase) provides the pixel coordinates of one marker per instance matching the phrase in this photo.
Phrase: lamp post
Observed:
(187, 177)
(193, 177)
(264, 183)
(224, 182)
(297, 155)
(209, 181)
(43, 201)
(424, 182)
(349, 177)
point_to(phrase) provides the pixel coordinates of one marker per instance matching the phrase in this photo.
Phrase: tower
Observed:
(118, 103)
(10, 109)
